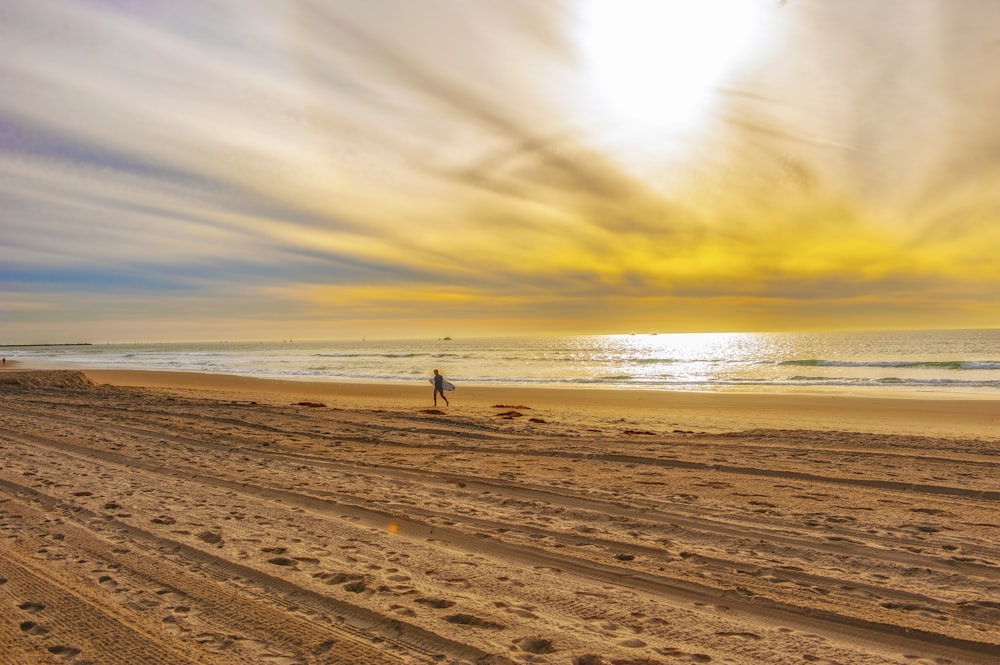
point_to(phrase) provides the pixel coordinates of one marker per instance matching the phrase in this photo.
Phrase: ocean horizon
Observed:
(954, 362)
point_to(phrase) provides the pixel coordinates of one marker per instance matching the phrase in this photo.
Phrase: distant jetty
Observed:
(25, 346)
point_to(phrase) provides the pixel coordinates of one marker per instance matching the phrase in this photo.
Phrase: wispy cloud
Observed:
(326, 168)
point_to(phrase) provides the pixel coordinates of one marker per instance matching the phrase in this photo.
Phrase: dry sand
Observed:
(177, 518)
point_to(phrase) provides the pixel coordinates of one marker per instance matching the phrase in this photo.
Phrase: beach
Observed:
(176, 517)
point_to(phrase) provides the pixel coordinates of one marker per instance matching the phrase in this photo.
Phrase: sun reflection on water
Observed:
(694, 359)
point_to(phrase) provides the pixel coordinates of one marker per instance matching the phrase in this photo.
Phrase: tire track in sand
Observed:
(618, 595)
(836, 541)
(230, 596)
(683, 592)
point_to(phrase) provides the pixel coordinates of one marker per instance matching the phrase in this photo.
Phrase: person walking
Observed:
(439, 388)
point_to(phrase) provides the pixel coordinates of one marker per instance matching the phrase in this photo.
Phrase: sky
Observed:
(201, 170)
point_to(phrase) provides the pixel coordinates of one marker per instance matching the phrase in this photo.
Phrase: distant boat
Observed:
(447, 339)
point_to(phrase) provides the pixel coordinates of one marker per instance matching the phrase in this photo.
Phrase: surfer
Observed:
(439, 388)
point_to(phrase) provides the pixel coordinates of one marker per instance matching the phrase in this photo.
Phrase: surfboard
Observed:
(448, 385)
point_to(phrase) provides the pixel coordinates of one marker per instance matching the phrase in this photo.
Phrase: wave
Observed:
(387, 355)
(632, 381)
(898, 364)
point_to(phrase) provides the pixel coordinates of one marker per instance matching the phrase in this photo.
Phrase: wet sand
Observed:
(171, 517)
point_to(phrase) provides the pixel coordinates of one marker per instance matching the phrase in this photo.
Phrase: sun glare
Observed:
(658, 62)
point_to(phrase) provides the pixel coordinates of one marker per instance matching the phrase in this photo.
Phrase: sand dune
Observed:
(216, 521)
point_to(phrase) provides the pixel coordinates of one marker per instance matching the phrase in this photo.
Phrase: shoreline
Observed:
(662, 410)
(887, 391)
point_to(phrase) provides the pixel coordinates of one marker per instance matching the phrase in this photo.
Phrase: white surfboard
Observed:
(448, 385)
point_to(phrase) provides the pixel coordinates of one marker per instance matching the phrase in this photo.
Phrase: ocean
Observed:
(955, 362)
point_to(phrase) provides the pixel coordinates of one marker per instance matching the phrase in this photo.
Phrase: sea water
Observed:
(957, 362)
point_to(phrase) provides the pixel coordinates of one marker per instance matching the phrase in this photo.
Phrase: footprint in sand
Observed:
(63, 651)
(472, 620)
(535, 645)
(684, 656)
(172, 625)
(436, 603)
(605, 628)
(338, 578)
(522, 611)
(171, 595)
(32, 628)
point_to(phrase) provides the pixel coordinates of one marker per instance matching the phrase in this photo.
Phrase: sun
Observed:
(658, 63)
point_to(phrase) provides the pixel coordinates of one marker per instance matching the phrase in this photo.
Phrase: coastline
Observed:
(665, 410)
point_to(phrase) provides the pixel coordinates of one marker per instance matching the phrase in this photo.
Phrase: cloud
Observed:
(442, 158)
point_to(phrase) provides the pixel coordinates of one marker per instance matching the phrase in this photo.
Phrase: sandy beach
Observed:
(164, 517)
